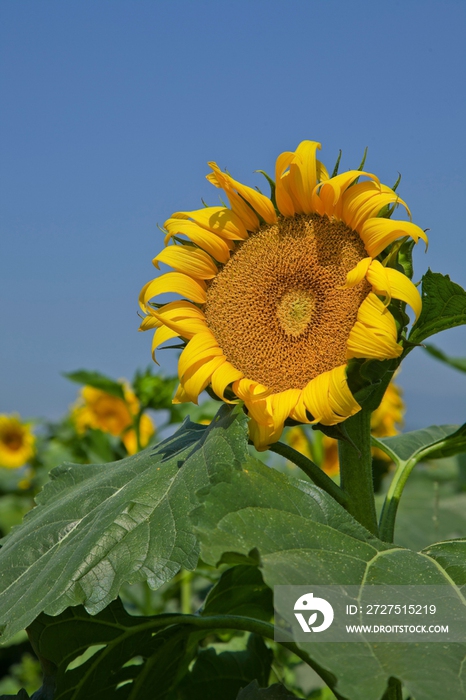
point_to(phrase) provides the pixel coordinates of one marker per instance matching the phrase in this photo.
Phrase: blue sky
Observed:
(111, 110)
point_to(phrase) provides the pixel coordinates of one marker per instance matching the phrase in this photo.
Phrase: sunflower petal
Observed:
(374, 334)
(180, 396)
(303, 173)
(203, 346)
(198, 376)
(391, 283)
(377, 233)
(219, 220)
(217, 247)
(247, 195)
(357, 274)
(341, 399)
(327, 198)
(263, 435)
(223, 376)
(283, 196)
(160, 336)
(191, 261)
(173, 282)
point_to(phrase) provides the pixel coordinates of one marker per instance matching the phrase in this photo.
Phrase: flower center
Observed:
(295, 310)
(13, 440)
(277, 308)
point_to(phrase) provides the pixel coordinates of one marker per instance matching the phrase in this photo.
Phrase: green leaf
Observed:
(113, 655)
(443, 307)
(223, 675)
(273, 692)
(154, 391)
(456, 362)
(430, 509)
(98, 381)
(240, 591)
(305, 538)
(97, 526)
(429, 443)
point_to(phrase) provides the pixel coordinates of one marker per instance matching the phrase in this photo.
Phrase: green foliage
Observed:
(98, 381)
(443, 307)
(273, 692)
(154, 391)
(126, 521)
(240, 591)
(456, 362)
(429, 443)
(305, 538)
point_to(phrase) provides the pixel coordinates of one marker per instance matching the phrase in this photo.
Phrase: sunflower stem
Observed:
(311, 470)
(356, 470)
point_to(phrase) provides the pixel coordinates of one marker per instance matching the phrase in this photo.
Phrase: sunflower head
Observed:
(279, 293)
(102, 411)
(17, 443)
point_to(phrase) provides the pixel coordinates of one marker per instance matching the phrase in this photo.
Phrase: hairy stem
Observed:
(314, 472)
(356, 470)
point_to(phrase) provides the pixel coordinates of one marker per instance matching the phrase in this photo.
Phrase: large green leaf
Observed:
(304, 538)
(443, 307)
(97, 526)
(429, 443)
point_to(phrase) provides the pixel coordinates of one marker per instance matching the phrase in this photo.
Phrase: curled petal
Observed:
(328, 398)
(219, 220)
(377, 233)
(198, 376)
(374, 335)
(223, 376)
(193, 262)
(173, 282)
(259, 202)
(216, 246)
(391, 283)
(357, 274)
(203, 346)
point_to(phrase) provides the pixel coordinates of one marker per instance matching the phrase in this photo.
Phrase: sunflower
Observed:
(279, 293)
(17, 443)
(102, 411)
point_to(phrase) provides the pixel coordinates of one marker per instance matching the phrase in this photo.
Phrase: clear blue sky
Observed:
(110, 110)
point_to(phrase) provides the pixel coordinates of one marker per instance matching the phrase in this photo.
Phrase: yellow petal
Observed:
(217, 247)
(342, 400)
(180, 396)
(223, 376)
(191, 261)
(303, 171)
(374, 334)
(149, 323)
(173, 282)
(377, 233)
(241, 196)
(327, 197)
(263, 435)
(299, 411)
(249, 390)
(198, 376)
(364, 201)
(281, 405)
(392, 283)
(283, 196)
(203, 346)
(358, 273)
(219, 220)
(160, 336)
